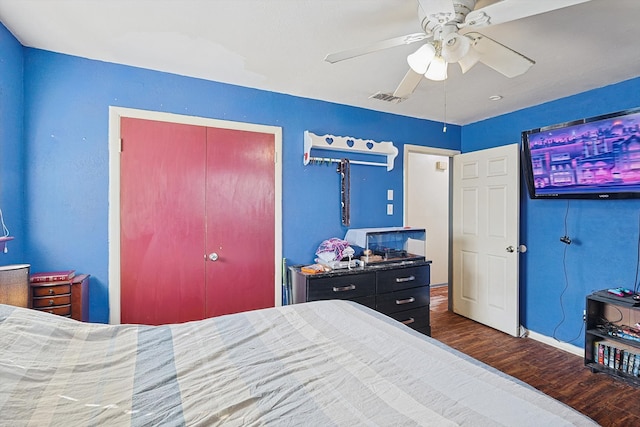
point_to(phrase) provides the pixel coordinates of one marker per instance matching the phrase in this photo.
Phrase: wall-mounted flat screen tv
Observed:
(594, 158)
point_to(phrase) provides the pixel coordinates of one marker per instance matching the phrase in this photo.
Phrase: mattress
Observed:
(315, 364)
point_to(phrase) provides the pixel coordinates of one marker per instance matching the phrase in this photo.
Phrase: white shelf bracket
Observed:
(350, 145)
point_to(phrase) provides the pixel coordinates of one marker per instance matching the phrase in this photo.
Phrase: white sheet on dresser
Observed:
(314, 364)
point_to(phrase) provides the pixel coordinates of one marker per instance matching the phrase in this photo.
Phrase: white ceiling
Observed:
(280, 45)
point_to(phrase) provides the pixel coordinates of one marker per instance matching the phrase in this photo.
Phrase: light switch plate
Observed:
(389, 194)
(389, 209)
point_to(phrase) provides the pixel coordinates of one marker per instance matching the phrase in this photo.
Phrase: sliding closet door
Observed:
(197, 221)
(240, 220)
(162, 221)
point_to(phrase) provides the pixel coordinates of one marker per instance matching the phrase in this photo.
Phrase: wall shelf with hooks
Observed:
(348, 145)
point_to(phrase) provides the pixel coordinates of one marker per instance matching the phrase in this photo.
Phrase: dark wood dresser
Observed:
(400, 291)
(69, 298)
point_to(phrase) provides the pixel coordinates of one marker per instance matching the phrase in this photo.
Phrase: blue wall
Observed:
(66, 129)
(54, 174)
(12, 167)
(604, 233)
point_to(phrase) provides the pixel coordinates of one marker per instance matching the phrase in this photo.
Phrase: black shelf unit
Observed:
(604, 310)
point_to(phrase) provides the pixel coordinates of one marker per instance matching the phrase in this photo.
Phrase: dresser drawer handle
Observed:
(405, 279)
(409, 321)
(344, 288)
(405, 301)
(50, 291)
(50, 302)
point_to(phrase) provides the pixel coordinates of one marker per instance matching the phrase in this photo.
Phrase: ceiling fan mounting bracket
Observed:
(431, 21)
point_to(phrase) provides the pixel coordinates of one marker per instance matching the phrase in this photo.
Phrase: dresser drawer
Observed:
(51, 301)
(63, 310)
(403, 300)
(348, 286)
(417, 318)
(402, 278)
(369, 301)
(45, 291)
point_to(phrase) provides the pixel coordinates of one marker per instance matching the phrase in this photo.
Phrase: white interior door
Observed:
(485, 226)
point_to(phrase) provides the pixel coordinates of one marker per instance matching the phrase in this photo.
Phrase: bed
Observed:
(314, 364)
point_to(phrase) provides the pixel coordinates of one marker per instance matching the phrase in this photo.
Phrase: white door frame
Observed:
(408, 149)
(115, 114)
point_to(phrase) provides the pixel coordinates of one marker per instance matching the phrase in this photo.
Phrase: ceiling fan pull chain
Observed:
(444, 125)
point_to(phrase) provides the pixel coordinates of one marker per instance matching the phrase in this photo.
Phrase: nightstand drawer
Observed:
(51, 301)
(348, 286)
(403, 300)
(63, 310)
(402, 278)
(45, 291)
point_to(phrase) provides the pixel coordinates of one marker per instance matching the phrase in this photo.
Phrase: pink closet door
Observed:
(240, 221)
(197, 210)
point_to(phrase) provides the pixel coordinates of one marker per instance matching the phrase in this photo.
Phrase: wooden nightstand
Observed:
(69, 298)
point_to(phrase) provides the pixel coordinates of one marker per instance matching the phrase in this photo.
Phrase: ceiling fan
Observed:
(448, 37)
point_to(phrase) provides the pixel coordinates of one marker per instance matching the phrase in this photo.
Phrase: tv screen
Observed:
(595, 158)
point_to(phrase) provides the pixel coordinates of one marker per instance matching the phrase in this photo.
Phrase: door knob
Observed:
(520, 248)
(213, 256)
(511, 249)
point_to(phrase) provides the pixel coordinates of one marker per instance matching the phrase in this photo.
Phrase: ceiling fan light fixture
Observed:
(469, 60)
(420, 59)
(437, 69)
(455, 47)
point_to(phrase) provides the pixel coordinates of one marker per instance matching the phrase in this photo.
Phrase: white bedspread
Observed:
(315, 364)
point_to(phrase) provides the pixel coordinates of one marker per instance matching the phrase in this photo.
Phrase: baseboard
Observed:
(578, 351)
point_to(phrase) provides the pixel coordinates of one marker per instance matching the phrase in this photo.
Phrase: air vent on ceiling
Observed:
(387, 97)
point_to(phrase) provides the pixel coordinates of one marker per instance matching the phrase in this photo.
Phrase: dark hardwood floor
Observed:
(561, 375)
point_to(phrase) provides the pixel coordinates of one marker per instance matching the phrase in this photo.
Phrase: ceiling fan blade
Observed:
(384, 44)
(438, 10)
(499, 57)
(408, 84)
(510, 10)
